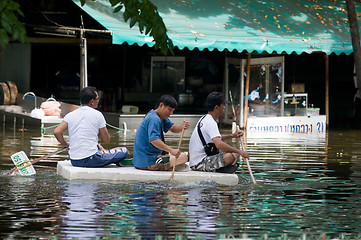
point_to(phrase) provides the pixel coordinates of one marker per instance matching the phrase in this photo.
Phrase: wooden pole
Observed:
(175, 161)
(245, 112)
(327, 91)
(247, 162)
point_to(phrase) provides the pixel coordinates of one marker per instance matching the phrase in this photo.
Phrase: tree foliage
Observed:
(146, 14)
(11, 29)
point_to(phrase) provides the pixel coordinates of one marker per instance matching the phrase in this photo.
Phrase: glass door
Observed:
(266, 88)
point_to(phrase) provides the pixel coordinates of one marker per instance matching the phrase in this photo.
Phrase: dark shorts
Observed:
(102, 158)
(210, 163)
(161, 164)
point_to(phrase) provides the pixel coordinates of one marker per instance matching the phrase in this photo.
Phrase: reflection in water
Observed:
(304, 185)
(79, 220)
(211, 211)
(285, 158)
(30, 207)
(201, 213)
(21, 196)
(9, 143)
(148, 214)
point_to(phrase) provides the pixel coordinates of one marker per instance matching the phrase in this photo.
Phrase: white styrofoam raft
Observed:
(131, 174)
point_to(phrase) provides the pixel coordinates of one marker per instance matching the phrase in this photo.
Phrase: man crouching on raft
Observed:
(149, 139)
(207, 151)
(85, 125)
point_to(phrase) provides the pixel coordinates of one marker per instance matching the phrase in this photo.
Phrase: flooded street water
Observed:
(305, 185)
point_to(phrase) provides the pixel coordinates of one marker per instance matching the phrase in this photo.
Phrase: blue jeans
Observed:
(102, 158)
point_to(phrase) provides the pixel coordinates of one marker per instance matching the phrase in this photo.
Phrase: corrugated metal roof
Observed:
(252, 25)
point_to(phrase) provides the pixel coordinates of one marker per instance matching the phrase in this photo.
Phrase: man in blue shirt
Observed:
(149, 141)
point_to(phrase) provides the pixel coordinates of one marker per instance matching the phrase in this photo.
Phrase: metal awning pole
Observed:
(327, 91)
(83, 58)
(83, 61)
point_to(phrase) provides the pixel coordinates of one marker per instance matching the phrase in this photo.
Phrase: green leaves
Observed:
(10, 26)
(146, 14)
(4, 39)
(143, 12)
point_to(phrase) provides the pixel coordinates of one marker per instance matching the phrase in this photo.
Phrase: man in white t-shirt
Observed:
(85, 125)
(224, 157)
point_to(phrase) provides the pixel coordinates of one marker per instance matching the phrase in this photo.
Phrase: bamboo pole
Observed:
(175, 161)
(247, 162)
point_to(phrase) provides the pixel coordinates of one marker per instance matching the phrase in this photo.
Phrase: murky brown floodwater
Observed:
(306, 185)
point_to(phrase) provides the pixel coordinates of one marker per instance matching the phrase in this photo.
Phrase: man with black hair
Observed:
(85, 125)
(149, 140)
(217, 155)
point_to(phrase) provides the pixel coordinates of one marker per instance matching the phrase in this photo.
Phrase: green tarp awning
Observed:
(252, 25)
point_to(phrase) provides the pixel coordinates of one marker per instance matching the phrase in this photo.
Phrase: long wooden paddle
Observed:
(175, 161)
(246, 160)
(12, 171)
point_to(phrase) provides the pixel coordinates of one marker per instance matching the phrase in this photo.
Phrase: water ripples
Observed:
(304, 185)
